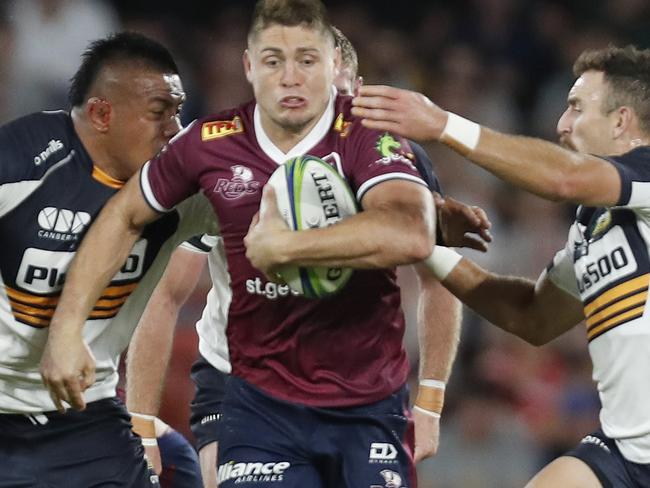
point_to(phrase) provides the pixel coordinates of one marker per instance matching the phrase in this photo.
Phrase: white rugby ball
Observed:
(311, 194)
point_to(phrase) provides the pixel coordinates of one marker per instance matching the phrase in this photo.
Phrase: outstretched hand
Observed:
(407, 113)
(263, 241)
(67, 369)
(462, 225)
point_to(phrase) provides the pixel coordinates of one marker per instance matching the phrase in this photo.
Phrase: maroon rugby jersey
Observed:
(340, 351)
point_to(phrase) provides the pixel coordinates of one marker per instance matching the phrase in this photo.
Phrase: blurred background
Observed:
(503, 63)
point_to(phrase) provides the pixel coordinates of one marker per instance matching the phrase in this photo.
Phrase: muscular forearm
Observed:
(376, 238)
(439, 320)
(503, 300)
(148, 357)
(151, 346)
(101, 254)
(542, 168)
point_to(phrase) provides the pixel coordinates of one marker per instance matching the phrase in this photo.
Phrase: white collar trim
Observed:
(317, 133)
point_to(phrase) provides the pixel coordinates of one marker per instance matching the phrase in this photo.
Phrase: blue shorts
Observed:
(180, 463)
(209, 390)
(275, 444)
(601, 454)
(95, 447)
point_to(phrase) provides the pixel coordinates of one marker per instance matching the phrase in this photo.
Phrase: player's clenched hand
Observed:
(427, 434)
(264, 239)
(402, 112)
(67, 368)
(462, 225)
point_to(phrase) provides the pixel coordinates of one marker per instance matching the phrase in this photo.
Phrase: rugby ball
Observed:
(311, 194)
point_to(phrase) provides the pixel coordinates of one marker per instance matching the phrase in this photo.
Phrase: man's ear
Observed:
(337, 61)
(99, 111)
(624, 120)
(358, 83)
(247, 65)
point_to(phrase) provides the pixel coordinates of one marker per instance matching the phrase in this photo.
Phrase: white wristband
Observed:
(442, 261)
(149, 442)
(426, 412)
(461, 131)
(440, 385)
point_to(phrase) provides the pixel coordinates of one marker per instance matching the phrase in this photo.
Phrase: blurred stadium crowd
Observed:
(503, 63)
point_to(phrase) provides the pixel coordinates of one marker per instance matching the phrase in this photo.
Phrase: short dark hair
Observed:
(290, 13)
(349, 56)
(627, 73)
(122, 47)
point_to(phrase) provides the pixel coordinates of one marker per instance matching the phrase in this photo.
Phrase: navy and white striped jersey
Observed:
(606, 265)
(50, 193)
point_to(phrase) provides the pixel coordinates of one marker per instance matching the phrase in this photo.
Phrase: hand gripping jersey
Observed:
(50, 193)
(341, 351)
(605, 264)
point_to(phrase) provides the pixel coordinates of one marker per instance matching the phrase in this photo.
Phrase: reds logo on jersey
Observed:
(241, 183)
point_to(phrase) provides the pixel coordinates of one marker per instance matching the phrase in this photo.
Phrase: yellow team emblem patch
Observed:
(221, 128)
(342, 126)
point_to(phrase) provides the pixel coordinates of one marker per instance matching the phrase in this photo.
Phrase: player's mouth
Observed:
(293, 102)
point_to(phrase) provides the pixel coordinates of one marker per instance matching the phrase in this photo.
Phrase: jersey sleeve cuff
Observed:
(147, 191)
(367, 185)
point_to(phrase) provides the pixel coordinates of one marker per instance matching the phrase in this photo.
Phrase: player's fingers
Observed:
(438, 199)
(480, 213)
(485, 235)
(384, 103)
(57, 394)
(375, 114)
(379, 91)
(87, 377)
(384, 125)
(74, 395)
(472, 242)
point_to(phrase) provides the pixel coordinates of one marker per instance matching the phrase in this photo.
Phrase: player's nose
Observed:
(564, 124)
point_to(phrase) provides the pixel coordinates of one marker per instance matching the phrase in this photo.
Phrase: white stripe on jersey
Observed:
(385, 177)
(21, 388)
(13, 194)
(148, 192)
(213, 343)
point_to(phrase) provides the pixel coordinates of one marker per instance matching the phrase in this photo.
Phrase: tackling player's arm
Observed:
(151, 346)
(395, 228)
(537, 166)
(439, 319)
(67, 366)
(538, 312)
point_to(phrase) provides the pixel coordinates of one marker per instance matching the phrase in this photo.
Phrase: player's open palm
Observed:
(68, 369)
(407, 113)
(427, 435)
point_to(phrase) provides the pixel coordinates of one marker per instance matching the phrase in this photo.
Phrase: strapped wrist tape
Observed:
(460, 134)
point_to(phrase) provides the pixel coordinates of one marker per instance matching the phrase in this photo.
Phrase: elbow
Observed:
(569, 184)
(420, 248)
(565, 190)
(536, 340)
(535, 335)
